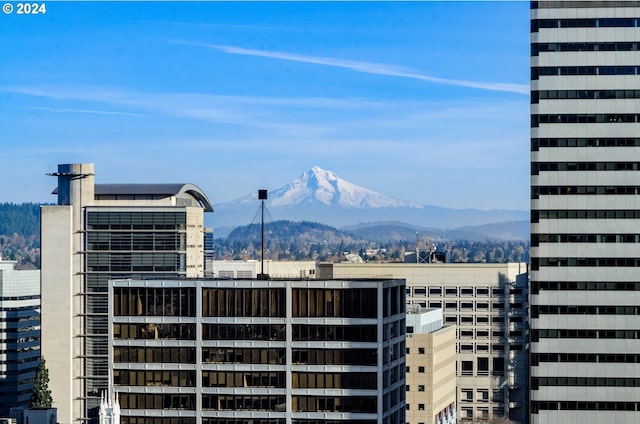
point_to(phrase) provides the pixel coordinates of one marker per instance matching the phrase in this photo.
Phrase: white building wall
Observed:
(555, 401)
(57, 344)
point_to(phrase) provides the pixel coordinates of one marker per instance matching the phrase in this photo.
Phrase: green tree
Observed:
(41, 395)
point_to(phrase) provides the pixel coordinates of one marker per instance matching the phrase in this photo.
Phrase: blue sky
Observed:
(424, 101)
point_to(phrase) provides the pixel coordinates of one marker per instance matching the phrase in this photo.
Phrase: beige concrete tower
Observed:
(95, 233)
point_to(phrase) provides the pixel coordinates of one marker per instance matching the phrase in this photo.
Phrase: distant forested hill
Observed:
(20, 233)
(23, 219)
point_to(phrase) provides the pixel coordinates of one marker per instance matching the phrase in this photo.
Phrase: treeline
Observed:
(286, 240)
(20, 234)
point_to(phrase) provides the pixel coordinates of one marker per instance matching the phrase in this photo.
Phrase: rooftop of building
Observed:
(154, 189)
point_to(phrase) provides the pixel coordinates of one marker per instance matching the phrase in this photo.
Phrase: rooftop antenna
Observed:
(262, 196)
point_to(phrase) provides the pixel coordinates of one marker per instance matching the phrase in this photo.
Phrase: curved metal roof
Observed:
(154, 189)
(157, 189)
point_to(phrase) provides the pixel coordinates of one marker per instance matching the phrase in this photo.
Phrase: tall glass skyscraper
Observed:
(585, 210)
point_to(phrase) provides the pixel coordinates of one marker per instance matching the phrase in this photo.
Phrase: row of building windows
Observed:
(537, 310)
(536, 143)
(469, 333)
(265, 332)
(537, 191)
(155, 331)
(454, 291)
(537, 167)
(335, 356)
(238, 355)
(536, 263)
(537, 406)
(244, 379)
(536, 382)
(583, 118)
(484, 348)
(131, 262)
(537, 358)
(140, 301)
(249, 302)
(244, 302)
(536, 24)
(537, 215)
(243, 403)
(131, 220)
(154, 378)
(536, 286)
(553, 333)
(157, 401)
(480, 319)
(136, 241)
(543, 71)
(467, 306)
(173, 355)
(5, 298)
(355, 333)
(537, 48)
(353, 404)
(310, 303)
(536, 239)
(537, 95)
(350, 380)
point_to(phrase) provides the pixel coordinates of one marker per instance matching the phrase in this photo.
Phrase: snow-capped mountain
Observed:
(321, 196)
(320, 186)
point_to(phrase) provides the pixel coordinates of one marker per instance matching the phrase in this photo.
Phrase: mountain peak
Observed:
(323, 186)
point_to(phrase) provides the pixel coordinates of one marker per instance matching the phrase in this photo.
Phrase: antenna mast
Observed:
(262, 196)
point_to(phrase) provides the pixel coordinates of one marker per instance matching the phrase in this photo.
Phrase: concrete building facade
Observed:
(19, 335)
(431, 368)
(489, 305)
(585, 206)
(252, 268)
(94, 233)
(258, 351)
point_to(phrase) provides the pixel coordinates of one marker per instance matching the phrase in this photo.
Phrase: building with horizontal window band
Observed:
(585, 205)
(431, 368)
(258, 351)
(94, 233)
(19, 335)
(488, 303)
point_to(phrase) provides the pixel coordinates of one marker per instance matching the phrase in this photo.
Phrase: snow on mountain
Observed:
(321, 196)
(319, 185)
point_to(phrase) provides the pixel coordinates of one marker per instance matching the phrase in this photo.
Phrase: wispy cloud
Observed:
(365, 67)
(91, 111)
(214, 25)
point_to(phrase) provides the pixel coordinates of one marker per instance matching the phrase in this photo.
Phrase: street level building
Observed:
(431, 368)
(258, 351)
(585, 207)
(488, 303)
(97, 232)
(19, 335)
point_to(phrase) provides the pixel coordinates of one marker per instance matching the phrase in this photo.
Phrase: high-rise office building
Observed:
(489, 305)
(585, 207)
(97, 232)
(19, 335)
(252, 351)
